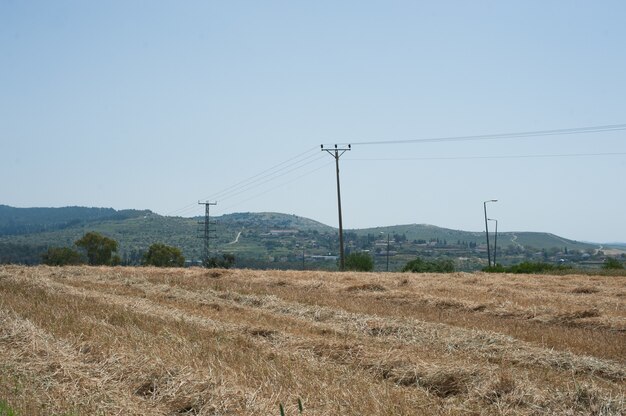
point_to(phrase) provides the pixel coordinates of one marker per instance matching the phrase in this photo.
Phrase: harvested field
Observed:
(137, 341)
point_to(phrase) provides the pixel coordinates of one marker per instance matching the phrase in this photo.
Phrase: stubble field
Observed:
(138, 341)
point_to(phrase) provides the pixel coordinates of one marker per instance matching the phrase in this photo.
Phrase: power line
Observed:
(262, 180)
(276, 187)
(492, 157)
(254, 178)
(502, 136)
(268, 173)
(304, 158)
(247, 188)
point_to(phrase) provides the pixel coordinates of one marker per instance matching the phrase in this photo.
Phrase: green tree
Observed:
(61, 256)
(422, 266)
(99, 249)
(612, 264)
(359, 262)
(161, 255)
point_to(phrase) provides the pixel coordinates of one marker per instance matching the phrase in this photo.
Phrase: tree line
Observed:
(96, 249)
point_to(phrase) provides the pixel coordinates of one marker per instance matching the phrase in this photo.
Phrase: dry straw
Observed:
(85, 340)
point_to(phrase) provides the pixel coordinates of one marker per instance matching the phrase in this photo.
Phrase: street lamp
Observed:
(487, 231)
(495, 243)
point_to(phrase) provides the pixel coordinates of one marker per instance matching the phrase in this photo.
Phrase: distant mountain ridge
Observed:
(277, 220)
(26, 232)
(428, 232)
(19, 221)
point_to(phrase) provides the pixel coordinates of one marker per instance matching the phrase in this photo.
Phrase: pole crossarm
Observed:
(336, 152)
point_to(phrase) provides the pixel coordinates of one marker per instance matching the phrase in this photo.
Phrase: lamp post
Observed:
(495, 243)
(487, 231)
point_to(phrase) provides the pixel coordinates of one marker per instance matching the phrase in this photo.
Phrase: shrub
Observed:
(422, 266)
(527, 267)
(226, 262)
(359, 262)
(612, 264)
(160, 255)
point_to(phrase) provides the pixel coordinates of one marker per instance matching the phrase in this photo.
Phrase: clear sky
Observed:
(158, 104)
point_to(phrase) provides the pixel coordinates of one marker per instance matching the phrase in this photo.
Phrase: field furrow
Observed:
(192, 341)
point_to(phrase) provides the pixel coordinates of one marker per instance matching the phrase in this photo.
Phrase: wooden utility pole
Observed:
(336, 153)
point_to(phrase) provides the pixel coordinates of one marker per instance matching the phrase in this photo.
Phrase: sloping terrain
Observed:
(16, 221)
(85, 340)
(137, 232)
(428, 232)
(264, 237)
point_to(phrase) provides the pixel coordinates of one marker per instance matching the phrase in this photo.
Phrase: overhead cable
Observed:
(500, 136)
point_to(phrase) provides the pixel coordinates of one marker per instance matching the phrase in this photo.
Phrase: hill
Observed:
(428, 233)
(261, 236)
(263, 240)
(19, 221)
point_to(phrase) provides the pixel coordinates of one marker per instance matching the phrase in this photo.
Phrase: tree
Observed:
(612, 264)
(99, 249)
(61, 256)
(359, 262)
(161, 255)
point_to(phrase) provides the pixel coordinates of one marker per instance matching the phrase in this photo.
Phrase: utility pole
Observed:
(336, 153)
(495, 244)
(206, 231)
(487, 231)
(387, 251)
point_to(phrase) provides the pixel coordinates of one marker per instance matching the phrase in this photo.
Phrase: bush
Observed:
(527, 267)
(359, 262)
(160, 255)
(61, 256)
(422, 266)
(612, 264)
(226, 262)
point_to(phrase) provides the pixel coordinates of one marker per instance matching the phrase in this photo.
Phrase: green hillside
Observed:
(136, 233)
(416, 232)
(266, 240)
(16, 221)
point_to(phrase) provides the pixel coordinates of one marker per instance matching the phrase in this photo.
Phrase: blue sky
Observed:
(146, 104)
